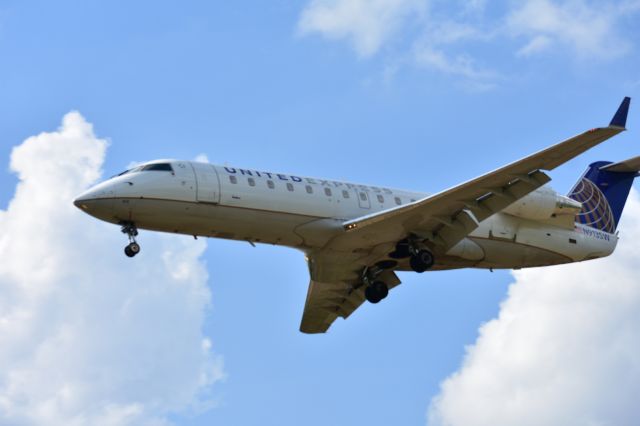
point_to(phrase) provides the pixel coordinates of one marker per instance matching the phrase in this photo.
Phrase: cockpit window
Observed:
(161, 167)
(133, 170)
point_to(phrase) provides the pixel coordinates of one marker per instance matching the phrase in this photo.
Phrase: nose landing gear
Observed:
(133, 247)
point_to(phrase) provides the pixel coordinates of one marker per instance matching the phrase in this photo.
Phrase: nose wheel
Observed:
(133, 247)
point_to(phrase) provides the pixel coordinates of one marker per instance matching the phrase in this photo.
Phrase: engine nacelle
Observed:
(543, 203)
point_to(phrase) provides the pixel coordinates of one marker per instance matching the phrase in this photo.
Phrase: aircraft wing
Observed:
(444, 219)
(334, 291)
(447, 217)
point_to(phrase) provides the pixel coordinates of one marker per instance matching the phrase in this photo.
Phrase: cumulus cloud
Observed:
(563, 350)
(367, 24)
(88, 336)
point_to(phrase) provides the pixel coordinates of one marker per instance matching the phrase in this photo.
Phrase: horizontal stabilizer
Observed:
(626, 166)
(620, 118)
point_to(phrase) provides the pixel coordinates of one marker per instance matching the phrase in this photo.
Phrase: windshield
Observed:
(157, 167)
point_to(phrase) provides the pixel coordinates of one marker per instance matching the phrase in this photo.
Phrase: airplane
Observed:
(356, 237)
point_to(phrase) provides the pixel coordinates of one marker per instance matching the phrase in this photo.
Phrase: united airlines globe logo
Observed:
(596, 211)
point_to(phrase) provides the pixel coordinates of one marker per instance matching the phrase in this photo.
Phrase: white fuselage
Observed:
(305, 213)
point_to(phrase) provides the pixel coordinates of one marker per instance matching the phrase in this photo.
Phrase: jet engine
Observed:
(543, 203)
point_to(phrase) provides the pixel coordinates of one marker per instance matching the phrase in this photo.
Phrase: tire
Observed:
(370, 295)
(375, 292)
(381, 289)
(421, 261)
(135, 248)
(128, 252)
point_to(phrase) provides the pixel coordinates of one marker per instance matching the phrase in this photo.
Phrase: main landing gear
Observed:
(375, 289)
(133, 247)
(420, 259)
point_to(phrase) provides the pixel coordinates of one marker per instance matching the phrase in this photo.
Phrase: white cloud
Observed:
(446, 35)
(537, 44)
(563, 350)
(461, 65)
(202, 158)
(435, 51)
(587, 29)
(88, 336)
(367, 24)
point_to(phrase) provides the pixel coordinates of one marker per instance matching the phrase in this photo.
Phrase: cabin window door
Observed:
(208, 186)
(363, 199)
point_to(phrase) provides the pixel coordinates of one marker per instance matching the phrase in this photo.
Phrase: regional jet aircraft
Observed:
(356, 237)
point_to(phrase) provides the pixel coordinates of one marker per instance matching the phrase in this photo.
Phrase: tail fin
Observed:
(603, 191)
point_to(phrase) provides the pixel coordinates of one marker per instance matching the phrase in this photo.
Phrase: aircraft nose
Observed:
(97, 201)
(83, 200)
(80, 200)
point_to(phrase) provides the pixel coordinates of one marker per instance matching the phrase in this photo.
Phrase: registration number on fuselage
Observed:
(594, 233)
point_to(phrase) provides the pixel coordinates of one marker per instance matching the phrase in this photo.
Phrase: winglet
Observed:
(620, 118)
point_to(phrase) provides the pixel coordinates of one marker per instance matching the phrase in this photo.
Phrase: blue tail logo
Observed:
(596, 211)
(603, 191)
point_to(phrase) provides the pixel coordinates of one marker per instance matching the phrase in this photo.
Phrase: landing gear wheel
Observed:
(132, 249)
(421, 261)
(128, 252)
(376, 292)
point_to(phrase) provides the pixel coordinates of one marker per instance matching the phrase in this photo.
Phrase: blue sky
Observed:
(405, 93)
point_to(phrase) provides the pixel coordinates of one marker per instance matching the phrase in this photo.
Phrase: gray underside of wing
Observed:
(327, 301)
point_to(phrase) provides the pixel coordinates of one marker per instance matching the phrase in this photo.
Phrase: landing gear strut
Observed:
(133, 247)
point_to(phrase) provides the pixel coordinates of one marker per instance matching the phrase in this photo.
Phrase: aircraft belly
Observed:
(214, 221)
(509, 254)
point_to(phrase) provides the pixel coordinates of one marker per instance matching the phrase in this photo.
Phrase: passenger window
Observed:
(380, 198)
(363, 196)
(270, 184)
(290, 187)
(327, 191)
(398, 202)
(233, 179)
(345, 193)
(309, 189)
(252, 182)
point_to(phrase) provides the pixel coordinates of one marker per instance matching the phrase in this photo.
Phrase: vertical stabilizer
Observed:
(603, 192)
